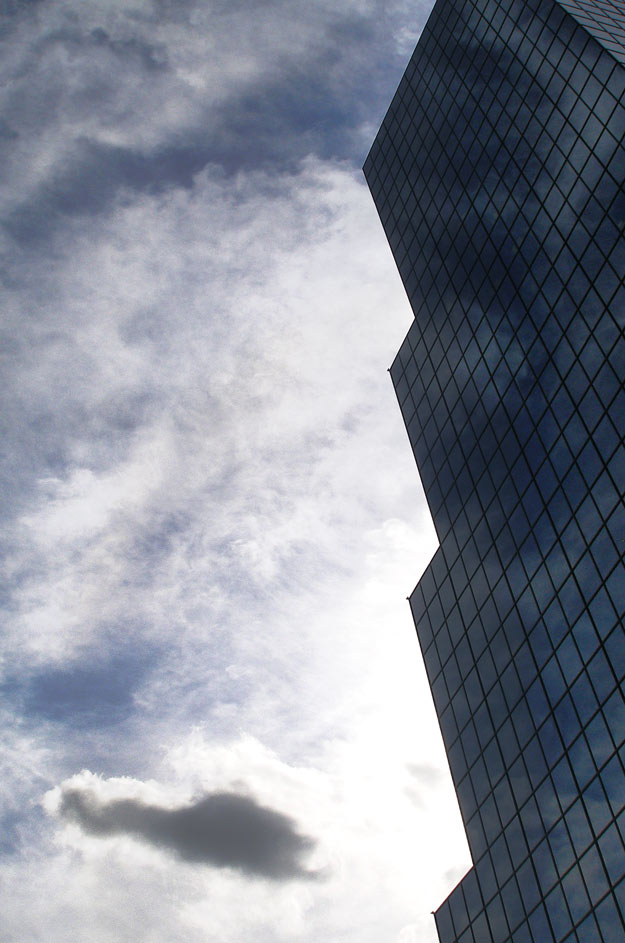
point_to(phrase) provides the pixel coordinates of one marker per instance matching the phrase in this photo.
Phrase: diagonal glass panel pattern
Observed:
(498, 174)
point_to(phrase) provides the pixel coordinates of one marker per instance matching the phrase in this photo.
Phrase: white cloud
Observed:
(364, 846)
(251, 354)
(257, 517)
(96, 90)
(210, 474)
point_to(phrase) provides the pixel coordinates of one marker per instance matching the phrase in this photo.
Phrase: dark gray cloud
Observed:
(226, 830)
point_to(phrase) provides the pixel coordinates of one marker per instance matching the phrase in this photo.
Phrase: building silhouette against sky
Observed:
(498, 174)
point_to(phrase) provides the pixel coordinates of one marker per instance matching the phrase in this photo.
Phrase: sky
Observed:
(216, 724)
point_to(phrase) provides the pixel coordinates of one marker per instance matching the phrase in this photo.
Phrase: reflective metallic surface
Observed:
(498, 174)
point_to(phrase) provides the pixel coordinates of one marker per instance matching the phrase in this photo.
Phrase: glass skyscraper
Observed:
(498, 174)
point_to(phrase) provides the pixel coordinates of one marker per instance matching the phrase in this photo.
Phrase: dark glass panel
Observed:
(609, 919)
(497, 920)
(594, 874)
(575, 893)
(613, 853)
(558, 912)
(588, 931)
(539, 924)
(564, 782)
(513, 905)
(579, 828)
(613, 780)
(597, 807)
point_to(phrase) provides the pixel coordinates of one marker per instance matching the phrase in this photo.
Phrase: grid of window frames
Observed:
(498, 174)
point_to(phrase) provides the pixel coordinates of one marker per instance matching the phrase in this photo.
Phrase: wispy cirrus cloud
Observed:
(190, 423)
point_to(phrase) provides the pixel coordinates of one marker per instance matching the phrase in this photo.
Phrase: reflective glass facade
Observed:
(499, 177)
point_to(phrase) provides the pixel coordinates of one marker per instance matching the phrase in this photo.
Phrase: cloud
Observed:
(101, 98)
(225, 830)
(211, 517)
(190, 424)
(350, 797)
